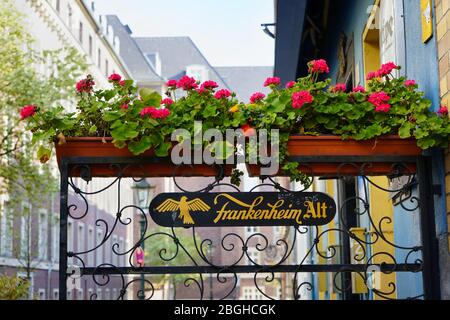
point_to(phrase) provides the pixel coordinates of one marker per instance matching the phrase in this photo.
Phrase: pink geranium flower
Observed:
(171, 83)
(27, 111)
(124, 106)
(371, 75)
(410, 83)
(387, 68)
(257, 96)
(359, 89)
(167, 102)
(299, 99)
(155, 113)
(339, 87)
(443, 110)
(319, 66)
(222, 94)
(209, 85)
(187, 83)
(380, 101)
(115, 77)
(272, 81)
(290, 84)
(85, 85)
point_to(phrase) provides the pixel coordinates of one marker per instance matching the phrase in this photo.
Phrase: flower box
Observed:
(103, 147)
(333, 146)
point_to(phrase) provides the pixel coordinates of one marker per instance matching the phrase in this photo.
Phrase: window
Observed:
(80, 32)
(70, 239)
(69, 294)
(90, 45)
(114, 297)
(90, 293)
(69, 16)
(99, 58)
(80, 294)
(106, 67)
(43, 234)
(80, 237)
(41, 294)
(99, 294)
(99, 251)
(58, 6)
(55, 294)
(198, 72)
(107, 249)
(90, 241)
(25, 231)
(107, 294)
(6, 231)
(155, 62)
(55, 238)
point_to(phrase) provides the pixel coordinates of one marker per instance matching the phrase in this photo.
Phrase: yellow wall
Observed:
(381, 206)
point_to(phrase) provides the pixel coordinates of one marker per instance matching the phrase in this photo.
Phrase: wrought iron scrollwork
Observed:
(298, 252)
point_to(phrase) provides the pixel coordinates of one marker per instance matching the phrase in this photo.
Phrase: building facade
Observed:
(56, 24)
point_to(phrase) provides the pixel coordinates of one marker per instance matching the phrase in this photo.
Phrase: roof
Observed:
(246, 80)
(131, 53)
(176, 53)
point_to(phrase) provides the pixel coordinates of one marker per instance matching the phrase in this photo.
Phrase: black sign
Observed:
(242, 209)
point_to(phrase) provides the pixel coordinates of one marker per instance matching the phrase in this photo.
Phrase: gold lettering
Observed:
(310, 210)
(324, 210)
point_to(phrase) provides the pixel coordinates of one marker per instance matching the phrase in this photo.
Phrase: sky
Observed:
(227, 32)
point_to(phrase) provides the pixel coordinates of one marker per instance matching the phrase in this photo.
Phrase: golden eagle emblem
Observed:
(184, 206)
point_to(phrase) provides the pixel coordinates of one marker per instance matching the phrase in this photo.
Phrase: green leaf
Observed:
(125, 131)
(110, 116)
(93, 129)
(426, 143)
(405, 130)
(138, 147)
(43, 154)
(209, 111)
(163, 149)
(150, 97)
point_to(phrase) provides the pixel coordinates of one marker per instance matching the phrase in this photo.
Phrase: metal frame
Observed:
(427, 264)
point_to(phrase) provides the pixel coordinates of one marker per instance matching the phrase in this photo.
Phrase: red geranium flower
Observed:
(187, 83)
(222, 94)
(299, 99)
(339, 87)
(171, 83)
(359, 89)
(410, 83)
(387, 68)
(209, 85)
(167, 102)
(290, 84)
(272, 81)
(257, 96)
(115, 77)
(85, 85)
(28, 111)
(380, 101)
(319, 66)
(443, 110)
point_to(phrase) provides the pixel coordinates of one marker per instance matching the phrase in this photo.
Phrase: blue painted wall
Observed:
(421, 64)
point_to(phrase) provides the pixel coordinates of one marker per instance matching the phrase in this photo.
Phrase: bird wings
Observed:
(168, 205)
(198, 205)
